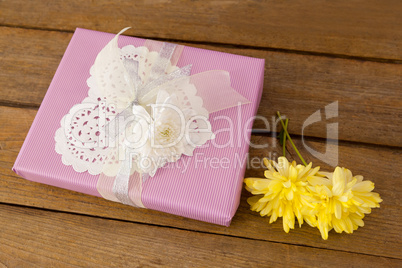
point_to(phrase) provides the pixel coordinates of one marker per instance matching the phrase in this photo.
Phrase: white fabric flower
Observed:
(169, 131)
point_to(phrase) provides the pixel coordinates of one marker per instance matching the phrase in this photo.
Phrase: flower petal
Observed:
(292, 173)
(338, 209)
(364, 186)
(338, 181)
(289, 195)
(283, 166)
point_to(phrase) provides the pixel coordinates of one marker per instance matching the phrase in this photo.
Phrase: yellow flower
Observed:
(341, 200)
(283, 193)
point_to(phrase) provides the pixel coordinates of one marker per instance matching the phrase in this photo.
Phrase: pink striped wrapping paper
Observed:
(204, 187)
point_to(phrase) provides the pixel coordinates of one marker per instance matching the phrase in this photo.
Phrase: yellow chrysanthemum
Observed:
(283, 193)
(341, 200)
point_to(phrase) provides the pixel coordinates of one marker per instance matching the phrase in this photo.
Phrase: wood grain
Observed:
(28, 63)
(316, 53)
(57, 239)
(381, 236)
(369, 94)
(354, 28)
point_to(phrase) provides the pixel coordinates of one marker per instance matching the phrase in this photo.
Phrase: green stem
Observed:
(290, 139)
(284, 138)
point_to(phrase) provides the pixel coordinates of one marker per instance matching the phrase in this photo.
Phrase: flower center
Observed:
(167, 132)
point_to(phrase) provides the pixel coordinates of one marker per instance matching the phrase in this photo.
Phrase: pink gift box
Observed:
(205, 187)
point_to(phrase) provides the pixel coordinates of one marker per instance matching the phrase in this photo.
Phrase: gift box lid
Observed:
(206, 186)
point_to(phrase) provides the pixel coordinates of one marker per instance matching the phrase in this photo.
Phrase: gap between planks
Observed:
(255, 132)
(50, 211)
(342, 28)
(184, 229)
(228, 45)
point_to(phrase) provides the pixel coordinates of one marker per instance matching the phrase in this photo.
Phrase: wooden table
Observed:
(316, 53)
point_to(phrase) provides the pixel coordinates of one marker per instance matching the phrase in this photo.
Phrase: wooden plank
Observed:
(381, 236)
(296, 85)
(28, 63)
(355, 28)
(58, 239)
